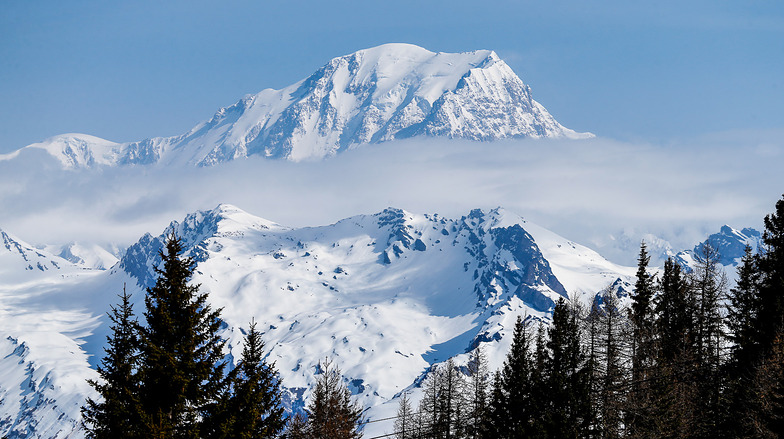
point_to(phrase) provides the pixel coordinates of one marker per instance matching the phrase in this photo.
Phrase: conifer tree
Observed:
(745, 348)
(675, 361)
(331, 413)
(251, 407)
(495, 425)
(182, 372)
(709, 284)
(569, 396)
(116, 414)
(769, 321)
(756, 359)
(640, 416)
(518, 386)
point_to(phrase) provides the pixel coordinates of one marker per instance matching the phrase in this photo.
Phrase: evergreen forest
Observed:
(686, 355)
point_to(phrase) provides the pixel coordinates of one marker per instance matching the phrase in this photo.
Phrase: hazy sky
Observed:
(639, 71)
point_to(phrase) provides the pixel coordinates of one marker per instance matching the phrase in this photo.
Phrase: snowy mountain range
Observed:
(386, 296)
(393, 91)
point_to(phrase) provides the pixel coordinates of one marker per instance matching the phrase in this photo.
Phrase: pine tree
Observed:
(251, 407)
(745, 348)
(762, 350)
(770, 315)
(116, 414)
(182, 372)
(331, 413)
(518, 387)
(675, 362)
(640, 416)
(569, 396)
(495, 425)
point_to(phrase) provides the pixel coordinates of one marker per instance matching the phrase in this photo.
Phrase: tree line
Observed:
(170, 378)
(688, 357)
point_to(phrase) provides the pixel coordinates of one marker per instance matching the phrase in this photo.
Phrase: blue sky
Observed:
(630, 71)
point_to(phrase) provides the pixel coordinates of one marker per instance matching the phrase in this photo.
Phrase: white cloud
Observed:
(587, 191)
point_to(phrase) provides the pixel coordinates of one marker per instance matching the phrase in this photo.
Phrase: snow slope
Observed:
(393, 91)
(386, 296)
(45, 318)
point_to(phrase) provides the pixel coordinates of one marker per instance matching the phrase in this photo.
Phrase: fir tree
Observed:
(251, 407)
(182, 372)
(641, 418)
(495, 424)
(518, 386)
(116, 414)
(761, 353)
(675, 362)
(569, 396)
(745, 348)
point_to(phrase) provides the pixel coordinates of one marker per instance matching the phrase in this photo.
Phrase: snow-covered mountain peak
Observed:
(730, 244)
(388, 92)
(404, 70)
(19, 260)
(75, 150)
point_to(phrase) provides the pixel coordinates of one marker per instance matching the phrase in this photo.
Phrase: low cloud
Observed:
(599, 192)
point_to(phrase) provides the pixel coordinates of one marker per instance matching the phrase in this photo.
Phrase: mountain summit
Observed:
(393, 91)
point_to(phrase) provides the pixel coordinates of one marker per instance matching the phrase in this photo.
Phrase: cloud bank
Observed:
(602, 193)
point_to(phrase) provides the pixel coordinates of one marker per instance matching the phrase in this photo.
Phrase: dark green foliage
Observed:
(709, 285)
(674, 388)
(640, 416)
(770, 315)
(494, 425)
(518, 387)
(182, 372)
(251, 407)
(756, 322)
(569, 400)
(116, 414)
